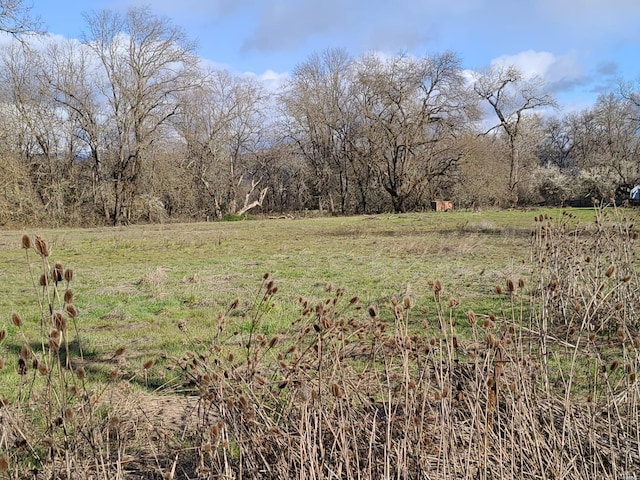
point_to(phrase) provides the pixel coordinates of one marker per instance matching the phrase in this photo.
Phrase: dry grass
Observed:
(544, 386)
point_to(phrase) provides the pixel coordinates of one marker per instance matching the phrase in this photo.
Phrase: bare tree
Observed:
(16, 19)
(146, 63)
(319, 108)
(222, 127)
(412, 111)
(43, 135)
(607, 146)
(70, 73)
(511, 96)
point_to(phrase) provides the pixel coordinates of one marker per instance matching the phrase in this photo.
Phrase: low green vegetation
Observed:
(436, 345)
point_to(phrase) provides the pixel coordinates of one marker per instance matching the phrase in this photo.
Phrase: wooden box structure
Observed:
(442, 205)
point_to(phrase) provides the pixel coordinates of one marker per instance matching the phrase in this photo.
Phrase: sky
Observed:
(580, 48)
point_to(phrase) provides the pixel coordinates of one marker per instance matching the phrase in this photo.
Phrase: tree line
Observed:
(127, 125)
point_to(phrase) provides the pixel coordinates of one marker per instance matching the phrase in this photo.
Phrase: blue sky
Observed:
(579, 47)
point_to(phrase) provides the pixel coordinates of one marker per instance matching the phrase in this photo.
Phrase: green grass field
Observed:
(133, 285)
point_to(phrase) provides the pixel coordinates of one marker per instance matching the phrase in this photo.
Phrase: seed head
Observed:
(56, 274)
(68, 296)
(490, 340)
(610, 271)
(59, 321)
(54, 343)
(71, 310)
(406, 301)
(43, 280)
(3, 334)
(471, 316)
(26, 241)
(16, 319)
(22, 366)
(148, 364)
(41, 247)
(68, 275)
(25, 352)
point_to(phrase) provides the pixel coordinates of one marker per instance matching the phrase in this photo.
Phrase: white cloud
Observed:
(271, 80)
(559, 72)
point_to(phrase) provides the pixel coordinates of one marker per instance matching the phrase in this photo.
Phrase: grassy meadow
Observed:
(498, 344)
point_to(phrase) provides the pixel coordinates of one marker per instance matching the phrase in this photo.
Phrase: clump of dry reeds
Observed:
(387, 392)
(58, 425)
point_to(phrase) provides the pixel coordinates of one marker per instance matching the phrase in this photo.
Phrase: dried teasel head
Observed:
(471, 316)
(57, 272)
(25, 352)
(610, 271)
(437, 287)
(406, 301)
(41, 247)
(59, 321)
(71, 310)
(68, 296)
(26, 241)
(68, 275)
(16, 319)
